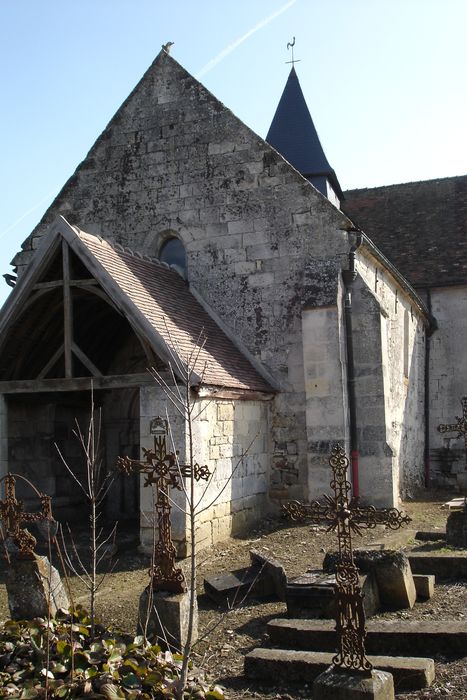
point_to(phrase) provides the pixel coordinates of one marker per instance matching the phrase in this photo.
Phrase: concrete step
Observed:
(443, 566)
(279, 666)
(402, 637)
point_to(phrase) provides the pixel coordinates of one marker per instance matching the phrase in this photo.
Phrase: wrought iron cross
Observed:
(163, 470)
(347, 517)
(13, 516)
(460, 427)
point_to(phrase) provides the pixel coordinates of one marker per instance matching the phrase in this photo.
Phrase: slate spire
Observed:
(293, 134)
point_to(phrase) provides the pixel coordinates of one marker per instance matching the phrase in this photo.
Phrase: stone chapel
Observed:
(326, 315)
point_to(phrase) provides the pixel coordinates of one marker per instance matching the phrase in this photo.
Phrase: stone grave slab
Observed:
(442, 565)
(264, 578)
(353, 686)
(430, 535)
(456, 528)
(392, 572)
(277, 666)
(272, 577)
(424, 585)
(403, 637)
(455, 503)
(312, 595)
(167, 617)
(230, 587)
(34, 588)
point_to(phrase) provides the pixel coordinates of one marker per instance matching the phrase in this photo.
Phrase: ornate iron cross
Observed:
(162, 469)
(13, 515)
(460, 427)
(346, 516)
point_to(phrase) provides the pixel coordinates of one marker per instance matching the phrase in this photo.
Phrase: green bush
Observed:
(59, 659)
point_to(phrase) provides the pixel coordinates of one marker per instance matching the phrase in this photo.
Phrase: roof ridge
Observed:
(119, 248)
(409, 182)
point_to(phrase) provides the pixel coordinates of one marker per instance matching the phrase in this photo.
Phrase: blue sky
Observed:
(385, 81)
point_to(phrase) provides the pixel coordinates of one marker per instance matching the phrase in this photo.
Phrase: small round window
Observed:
(173, 253)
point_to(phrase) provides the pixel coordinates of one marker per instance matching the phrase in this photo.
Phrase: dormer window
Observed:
(173, 253)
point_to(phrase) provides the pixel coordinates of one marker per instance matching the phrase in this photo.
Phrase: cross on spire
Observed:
(460, 427)
(290, 45)
(163, 470)
(13, 516)
(346, 516)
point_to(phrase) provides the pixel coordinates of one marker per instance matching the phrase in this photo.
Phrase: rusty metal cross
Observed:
(460, 427)
(13, 516)
(346, 516)
(163, 470)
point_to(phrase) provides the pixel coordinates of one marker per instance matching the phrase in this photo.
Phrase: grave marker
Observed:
(165, 603)
(13, 516)
(347, 517)
(163, 469)
(460, 427)
(33, 585)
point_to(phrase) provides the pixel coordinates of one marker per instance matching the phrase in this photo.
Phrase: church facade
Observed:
(184, 234)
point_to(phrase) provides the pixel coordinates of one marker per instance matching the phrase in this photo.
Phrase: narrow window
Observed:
(406, 344)
(173, 253)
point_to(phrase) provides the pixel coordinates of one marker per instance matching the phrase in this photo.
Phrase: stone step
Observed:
(443, 566)
(279, 666)
(403, 637)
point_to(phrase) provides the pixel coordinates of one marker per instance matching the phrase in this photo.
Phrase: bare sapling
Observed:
(183, 374)
(94, 485)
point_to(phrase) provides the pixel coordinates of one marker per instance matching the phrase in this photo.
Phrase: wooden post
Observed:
(67, 312)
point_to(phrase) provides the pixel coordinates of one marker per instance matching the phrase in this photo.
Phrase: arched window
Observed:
(173, 253)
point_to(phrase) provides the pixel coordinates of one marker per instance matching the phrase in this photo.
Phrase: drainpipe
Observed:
(349, 277)
(427, 393)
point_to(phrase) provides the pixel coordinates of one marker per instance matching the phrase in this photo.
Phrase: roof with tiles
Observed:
(293, 134)
(420, 226)
(163, 298)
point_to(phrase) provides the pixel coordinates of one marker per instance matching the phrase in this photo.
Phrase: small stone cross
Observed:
(346, 516)
(13, 515)
(162, 469)
(460, 427)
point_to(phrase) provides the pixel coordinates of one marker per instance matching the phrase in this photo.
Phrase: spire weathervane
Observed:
(290, 45)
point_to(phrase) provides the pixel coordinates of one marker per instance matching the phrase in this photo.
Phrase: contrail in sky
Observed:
(25, 214)
(231, 47)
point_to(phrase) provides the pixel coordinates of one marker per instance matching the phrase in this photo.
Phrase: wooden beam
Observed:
(35, 386)
(50, 363)
(85, 360)
(67, 311)
(58, 283)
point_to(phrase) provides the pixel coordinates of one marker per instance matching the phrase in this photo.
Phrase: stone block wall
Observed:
(325, 389)
(231, 439)
(448, 384)
(389, 356)
(34, 425)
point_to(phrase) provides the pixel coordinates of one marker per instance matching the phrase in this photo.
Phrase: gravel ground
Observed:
(226, 636)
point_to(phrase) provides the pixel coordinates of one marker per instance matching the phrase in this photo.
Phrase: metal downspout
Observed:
(349, 277)
(427, 394)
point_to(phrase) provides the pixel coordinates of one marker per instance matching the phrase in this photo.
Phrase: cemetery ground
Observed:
(227, 635)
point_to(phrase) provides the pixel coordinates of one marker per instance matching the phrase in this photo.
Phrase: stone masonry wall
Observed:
(326, 390)
(448, 384)
(390, 354)
(231, 438)
(175, 160)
